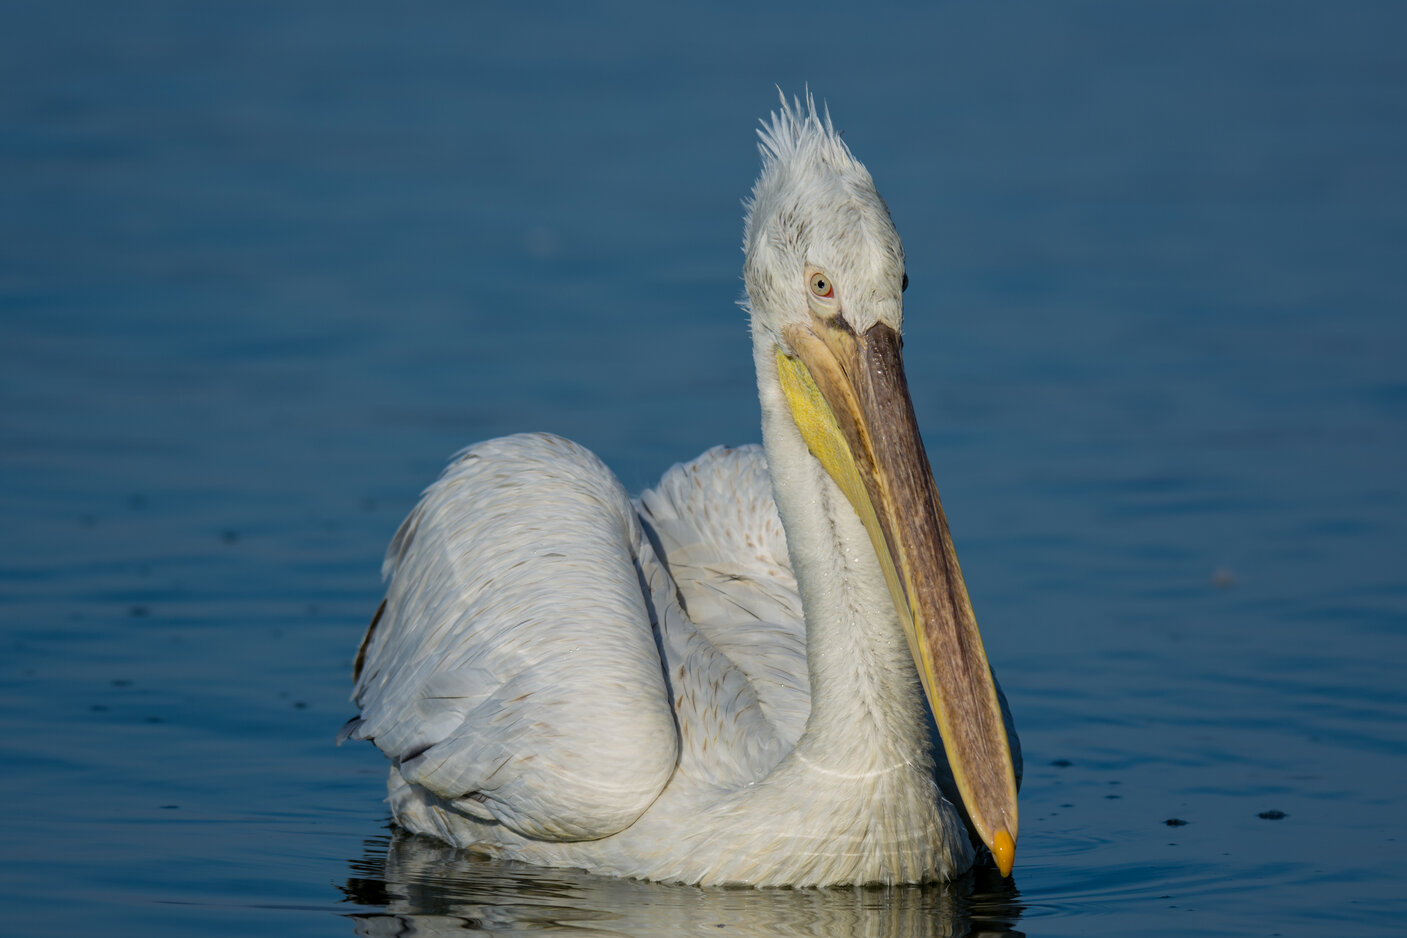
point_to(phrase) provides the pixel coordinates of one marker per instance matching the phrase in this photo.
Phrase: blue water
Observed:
(265, 266)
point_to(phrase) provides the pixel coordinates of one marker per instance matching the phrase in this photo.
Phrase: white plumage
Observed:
(565, 676)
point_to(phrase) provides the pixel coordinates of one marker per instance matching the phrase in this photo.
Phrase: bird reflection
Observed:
(407, 884)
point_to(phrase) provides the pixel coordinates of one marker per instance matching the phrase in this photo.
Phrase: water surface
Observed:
(265, 267)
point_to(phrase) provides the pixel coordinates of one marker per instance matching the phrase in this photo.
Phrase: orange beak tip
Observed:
(1003, 851)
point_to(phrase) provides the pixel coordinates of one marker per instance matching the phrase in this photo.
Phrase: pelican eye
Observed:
(905, 285)
(821, 286)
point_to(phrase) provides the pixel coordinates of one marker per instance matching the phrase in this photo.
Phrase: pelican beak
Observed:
(849, 398)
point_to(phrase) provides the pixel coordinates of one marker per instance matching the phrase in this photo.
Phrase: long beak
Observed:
(849, 398)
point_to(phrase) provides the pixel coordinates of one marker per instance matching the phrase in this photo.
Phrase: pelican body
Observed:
(732, 678)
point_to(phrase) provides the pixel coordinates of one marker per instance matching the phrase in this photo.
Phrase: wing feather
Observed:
(715, 525)
(514, 671)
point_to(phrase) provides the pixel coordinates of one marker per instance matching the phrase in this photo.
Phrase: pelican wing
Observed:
(715, 524)
(514, 671)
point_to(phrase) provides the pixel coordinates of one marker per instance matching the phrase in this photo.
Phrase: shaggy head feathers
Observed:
(814, 207)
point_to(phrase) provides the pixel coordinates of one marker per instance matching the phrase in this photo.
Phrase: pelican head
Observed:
(825, 279)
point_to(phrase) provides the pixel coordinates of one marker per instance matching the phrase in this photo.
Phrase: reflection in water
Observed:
(415, 885)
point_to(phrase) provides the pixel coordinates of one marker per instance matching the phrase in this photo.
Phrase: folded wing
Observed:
(514, 670)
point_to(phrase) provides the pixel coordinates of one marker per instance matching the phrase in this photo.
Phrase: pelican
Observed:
(731, 678)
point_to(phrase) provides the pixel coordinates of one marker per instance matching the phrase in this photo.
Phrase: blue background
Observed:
(265, 266)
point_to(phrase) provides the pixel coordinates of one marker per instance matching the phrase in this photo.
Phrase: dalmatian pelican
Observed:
(733, 677)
